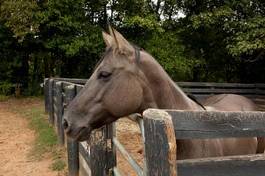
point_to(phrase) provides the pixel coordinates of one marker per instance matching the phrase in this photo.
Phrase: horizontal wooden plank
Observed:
(213, 84)
(248, 165)
(72, 80)
(212, 124)
(260, 85)
(66, 84)
(223, 91)
(261, 107)
(182, 84)
(259, 99)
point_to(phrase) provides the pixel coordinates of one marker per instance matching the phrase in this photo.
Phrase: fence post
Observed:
(46, 94)
(98, 146)
(51, 109)
(72, 146)
(59, 97)
(160, 147)
(111, 150)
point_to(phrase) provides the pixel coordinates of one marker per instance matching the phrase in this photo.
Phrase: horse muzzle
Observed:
(79, 133)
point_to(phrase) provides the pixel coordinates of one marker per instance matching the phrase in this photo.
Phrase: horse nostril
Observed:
(65, 124)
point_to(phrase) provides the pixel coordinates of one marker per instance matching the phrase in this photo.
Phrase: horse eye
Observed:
(104, 75)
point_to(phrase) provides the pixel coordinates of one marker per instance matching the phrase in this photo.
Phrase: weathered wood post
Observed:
(98, 145)
(111, 150)
(51, 109)
(160, 147)
(72, 146)
(59, 112)
(46, 94)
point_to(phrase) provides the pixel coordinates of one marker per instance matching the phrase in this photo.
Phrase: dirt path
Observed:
(16, 141)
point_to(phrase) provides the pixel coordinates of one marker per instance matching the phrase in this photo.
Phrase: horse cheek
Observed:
(124, 99)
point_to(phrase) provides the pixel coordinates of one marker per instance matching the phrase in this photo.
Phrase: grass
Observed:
(46, 139)
(58, 165)
(3, 98)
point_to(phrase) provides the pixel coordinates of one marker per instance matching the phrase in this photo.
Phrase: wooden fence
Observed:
(159, 132)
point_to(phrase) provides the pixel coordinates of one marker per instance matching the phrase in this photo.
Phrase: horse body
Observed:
(122, 85)
(168, 95)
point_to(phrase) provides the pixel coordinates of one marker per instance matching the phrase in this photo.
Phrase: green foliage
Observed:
(226, 33)
(250, 38)
(148, 23)
(245, 33)
(172, 59)
(5, 88)
(213, 41)
(18, 16)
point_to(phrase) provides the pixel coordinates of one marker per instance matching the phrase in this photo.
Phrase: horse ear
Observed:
(121, 43)
(107, 39)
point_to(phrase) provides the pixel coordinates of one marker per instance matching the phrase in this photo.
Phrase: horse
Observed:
(129, 80)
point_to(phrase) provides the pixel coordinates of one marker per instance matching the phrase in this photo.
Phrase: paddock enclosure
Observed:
(159, 131)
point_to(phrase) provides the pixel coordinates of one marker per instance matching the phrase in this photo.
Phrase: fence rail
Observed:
(99, 156)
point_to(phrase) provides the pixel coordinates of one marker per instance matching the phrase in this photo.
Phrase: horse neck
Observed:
(166, 94)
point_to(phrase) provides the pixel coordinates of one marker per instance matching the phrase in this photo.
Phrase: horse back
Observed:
(230, 102)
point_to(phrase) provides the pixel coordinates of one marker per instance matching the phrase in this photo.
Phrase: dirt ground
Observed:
(16, 141)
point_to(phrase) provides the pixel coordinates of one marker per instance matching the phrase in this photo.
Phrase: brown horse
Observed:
(129, 80)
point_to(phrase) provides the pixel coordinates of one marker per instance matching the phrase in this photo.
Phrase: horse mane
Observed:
(192, 97)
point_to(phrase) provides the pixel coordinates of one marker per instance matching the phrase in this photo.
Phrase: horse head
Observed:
(116, 88)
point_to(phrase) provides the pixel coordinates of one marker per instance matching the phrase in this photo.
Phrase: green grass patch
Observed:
(3, 97)
(46, 139)
(58, 165)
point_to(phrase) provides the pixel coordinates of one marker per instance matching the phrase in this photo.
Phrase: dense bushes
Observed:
(194, 40)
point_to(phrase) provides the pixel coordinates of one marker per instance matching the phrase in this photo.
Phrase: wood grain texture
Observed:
(239, 91)
(224, 85)
(59, 112)
(98, 153)
(72, 146)
(110, 134)
(160, 148)
(246, 165)
(211, 124)
(51, 118)
(46, 94)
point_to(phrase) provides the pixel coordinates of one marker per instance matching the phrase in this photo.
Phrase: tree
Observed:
(224, 33)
